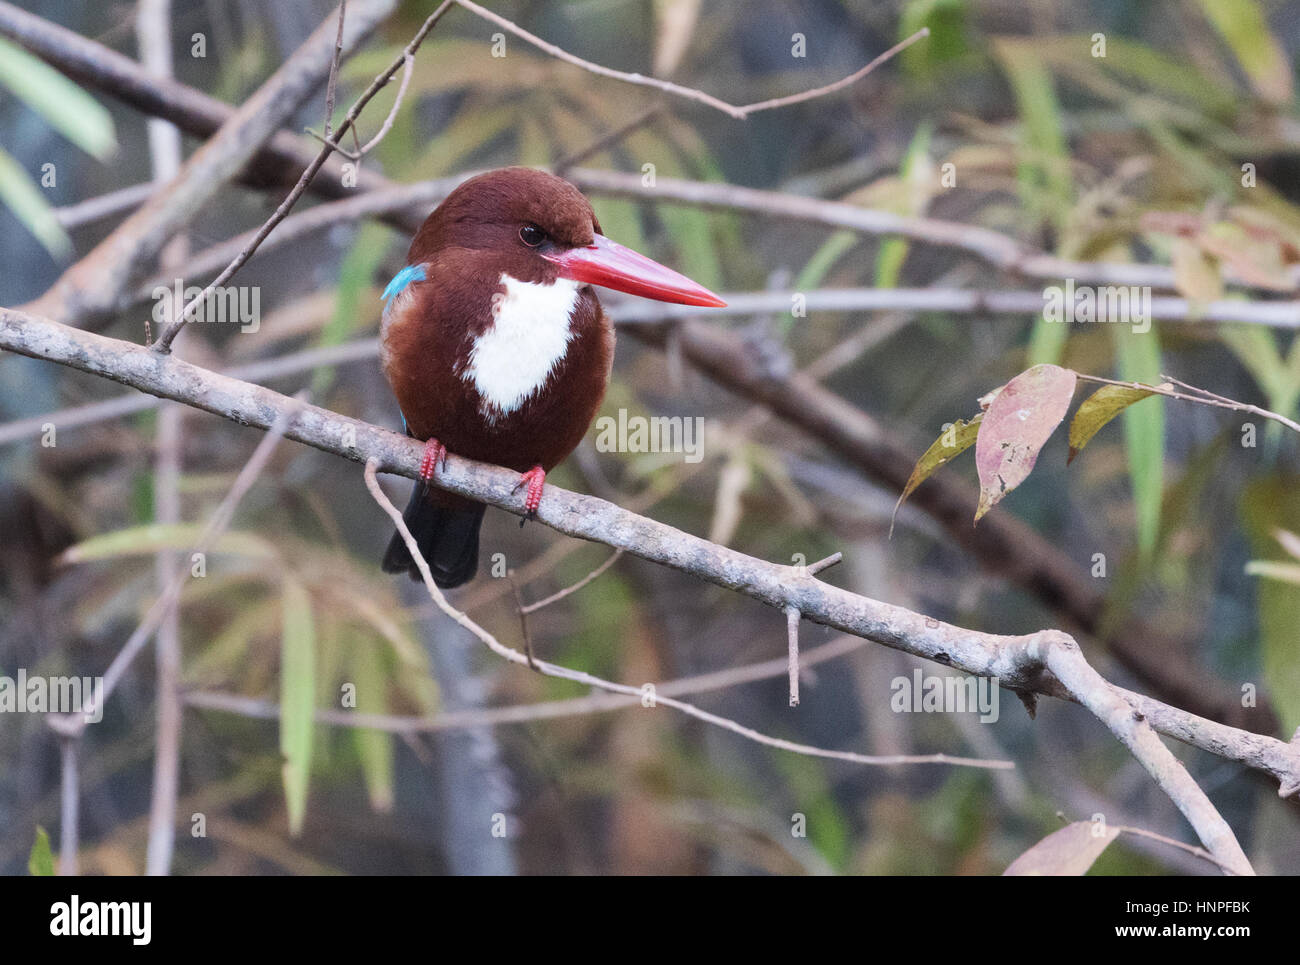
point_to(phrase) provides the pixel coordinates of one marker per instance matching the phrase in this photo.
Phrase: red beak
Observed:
(610, 265)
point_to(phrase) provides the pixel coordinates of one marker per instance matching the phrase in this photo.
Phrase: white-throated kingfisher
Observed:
(497, 348)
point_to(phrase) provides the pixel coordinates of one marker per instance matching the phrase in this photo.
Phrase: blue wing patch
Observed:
(402, 279)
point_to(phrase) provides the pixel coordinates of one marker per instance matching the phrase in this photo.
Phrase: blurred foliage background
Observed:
(1066, 151)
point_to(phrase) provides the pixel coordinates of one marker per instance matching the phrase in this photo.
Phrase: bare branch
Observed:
(689, 93)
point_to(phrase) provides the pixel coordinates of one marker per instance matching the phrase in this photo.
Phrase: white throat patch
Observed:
(528, 338)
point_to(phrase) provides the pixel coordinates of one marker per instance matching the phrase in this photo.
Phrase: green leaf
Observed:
(356, 275)
(917, 175)
(374, 747)
(297, 697)
(1138, 358)
(1098, 409)
(1046, 342)
(955, 439)
(1044, 169)
(1244, 28)
(40, 862)
(23, 197)
(835, 247)
(65, 106)
(149, 539)
(947, 41)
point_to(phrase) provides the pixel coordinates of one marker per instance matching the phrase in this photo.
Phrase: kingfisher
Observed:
(497, 348)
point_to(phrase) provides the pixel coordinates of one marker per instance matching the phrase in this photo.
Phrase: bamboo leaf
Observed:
(1244, 28)
(297, 697)
(1286, 572)
(64, 106)
(1071, 851)
(1289, 541)
(1144, 432)
(21, 195)
(149, 539)
(1196, 272)
(374, 747)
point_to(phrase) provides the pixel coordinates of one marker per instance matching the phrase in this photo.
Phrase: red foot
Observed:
(435, 457)
(535, 478)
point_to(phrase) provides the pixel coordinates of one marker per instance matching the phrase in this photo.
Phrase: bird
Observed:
(497, 348)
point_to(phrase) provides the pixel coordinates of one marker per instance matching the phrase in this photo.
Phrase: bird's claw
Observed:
(435, 458)
(535, 478)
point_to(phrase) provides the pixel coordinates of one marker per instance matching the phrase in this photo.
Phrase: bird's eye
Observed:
(531, 235)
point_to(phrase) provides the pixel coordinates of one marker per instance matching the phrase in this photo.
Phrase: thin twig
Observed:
(1203, 396)
(853, 78)
(555, 597)
(523, 621)
(331, 86)
(153, 29)
(407, 69)
(578, 676)
(689, 93)
(607, 140)
(1174, 843)
(103, 206)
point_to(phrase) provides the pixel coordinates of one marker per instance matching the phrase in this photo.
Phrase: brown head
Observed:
(537, 228)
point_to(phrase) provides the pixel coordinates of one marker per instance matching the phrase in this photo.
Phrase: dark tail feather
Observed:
(447, 538)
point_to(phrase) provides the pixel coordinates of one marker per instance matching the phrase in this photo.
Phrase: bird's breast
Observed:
(512, 375)
(526, 340)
